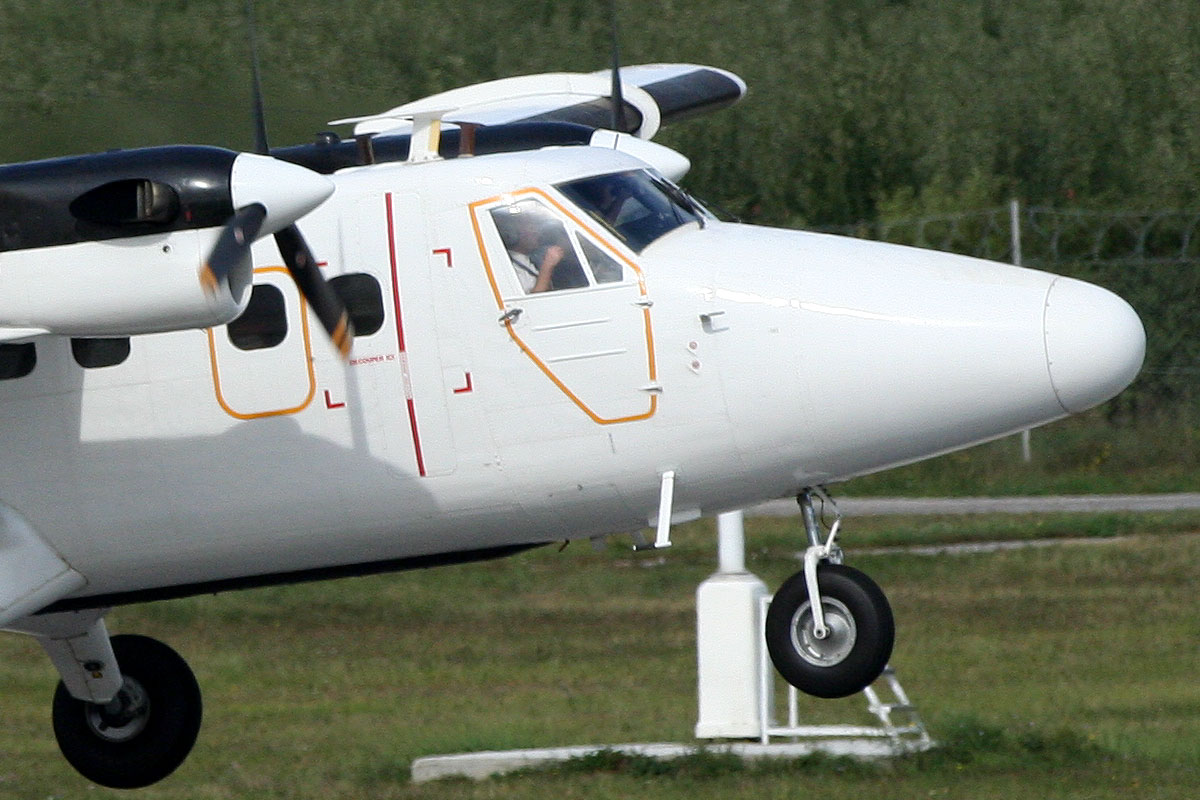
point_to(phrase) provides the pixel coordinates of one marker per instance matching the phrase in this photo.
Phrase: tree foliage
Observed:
(858, 110)
(853, 105)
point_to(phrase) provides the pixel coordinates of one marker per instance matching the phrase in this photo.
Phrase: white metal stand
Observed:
(736, 686)
(728, 640)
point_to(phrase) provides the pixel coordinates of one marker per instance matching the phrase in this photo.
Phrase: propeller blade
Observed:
(260, 118)
(618, 97)
(325, 303)
(232, 245)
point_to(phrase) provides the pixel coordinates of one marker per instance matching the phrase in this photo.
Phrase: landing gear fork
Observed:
(818, 551)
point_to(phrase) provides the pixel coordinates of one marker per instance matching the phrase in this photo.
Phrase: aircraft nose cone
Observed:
(1095, 343)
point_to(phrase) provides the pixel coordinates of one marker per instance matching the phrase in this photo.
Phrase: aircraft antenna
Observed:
(618, 99)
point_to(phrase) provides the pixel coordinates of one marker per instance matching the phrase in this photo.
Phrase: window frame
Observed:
(576, 235)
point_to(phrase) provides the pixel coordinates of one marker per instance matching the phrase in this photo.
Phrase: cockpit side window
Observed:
(538, 247)
(545, 254)
(637, 206)
(605, 268)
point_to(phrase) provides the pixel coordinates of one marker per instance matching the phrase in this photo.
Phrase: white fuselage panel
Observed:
(750, 361)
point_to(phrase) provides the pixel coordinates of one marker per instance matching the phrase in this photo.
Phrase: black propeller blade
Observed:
(618, 97)
(260, 120)
(232, 245)
(321, 297)
(326, 304)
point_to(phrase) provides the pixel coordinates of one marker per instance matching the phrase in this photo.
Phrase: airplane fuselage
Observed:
(476, 417)
(221, 370)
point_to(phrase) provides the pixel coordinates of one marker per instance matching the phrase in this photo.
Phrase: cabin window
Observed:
(638, 207)
(17, 360)
(545, 255)
(96, 353)
(264, 322)
(364, 301)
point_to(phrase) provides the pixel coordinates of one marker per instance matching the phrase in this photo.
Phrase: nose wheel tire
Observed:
(858, 641)
(146, 731)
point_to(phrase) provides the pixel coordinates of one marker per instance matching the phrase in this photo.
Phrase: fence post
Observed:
(1014, 216)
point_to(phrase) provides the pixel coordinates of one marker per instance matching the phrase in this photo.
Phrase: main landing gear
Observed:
(127, 710)
(829, 628)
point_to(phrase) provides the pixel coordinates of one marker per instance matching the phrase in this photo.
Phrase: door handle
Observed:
(510, 316)
(712, 322)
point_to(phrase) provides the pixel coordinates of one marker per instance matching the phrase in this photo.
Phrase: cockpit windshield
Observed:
(637, 206)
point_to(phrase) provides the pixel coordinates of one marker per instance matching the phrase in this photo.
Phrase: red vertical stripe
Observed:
(408, 395)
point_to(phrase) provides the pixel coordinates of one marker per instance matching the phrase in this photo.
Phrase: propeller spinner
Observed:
(268, 196)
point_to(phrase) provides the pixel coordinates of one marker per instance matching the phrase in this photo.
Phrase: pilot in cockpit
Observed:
(610, 196)
(530, 246)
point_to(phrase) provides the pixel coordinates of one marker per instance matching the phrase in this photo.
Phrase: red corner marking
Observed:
(445, 251)
(466, 388)
(329, 401)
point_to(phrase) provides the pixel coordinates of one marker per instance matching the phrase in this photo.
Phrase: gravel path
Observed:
(879, 506)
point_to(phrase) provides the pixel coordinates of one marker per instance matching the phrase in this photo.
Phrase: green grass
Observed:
(1086, 454)
(1062, 672)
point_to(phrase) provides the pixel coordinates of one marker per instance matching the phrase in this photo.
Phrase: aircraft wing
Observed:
(654, 95)
(32, 575)
(20, 334)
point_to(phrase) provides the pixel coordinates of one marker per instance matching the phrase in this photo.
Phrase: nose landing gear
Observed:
(829, 628)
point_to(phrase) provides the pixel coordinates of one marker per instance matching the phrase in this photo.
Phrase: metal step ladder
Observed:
(913, 729)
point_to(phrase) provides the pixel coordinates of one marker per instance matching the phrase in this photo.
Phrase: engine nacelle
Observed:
(119, 287)
(112, 244)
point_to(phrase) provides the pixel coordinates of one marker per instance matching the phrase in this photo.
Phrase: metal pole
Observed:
(731, 542)
(1014, 217)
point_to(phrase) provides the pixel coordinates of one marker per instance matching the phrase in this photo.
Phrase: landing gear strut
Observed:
(829, 628)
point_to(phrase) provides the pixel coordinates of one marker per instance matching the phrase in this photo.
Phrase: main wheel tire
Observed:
(149, 737)
(860, 638)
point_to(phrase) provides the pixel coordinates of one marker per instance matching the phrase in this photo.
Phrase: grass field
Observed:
(1060, 672)
(1085, 454)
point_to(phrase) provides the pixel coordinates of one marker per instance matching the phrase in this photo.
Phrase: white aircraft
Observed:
(544, 339)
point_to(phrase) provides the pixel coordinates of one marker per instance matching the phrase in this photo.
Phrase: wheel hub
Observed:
(840, 636)
(122, 718)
